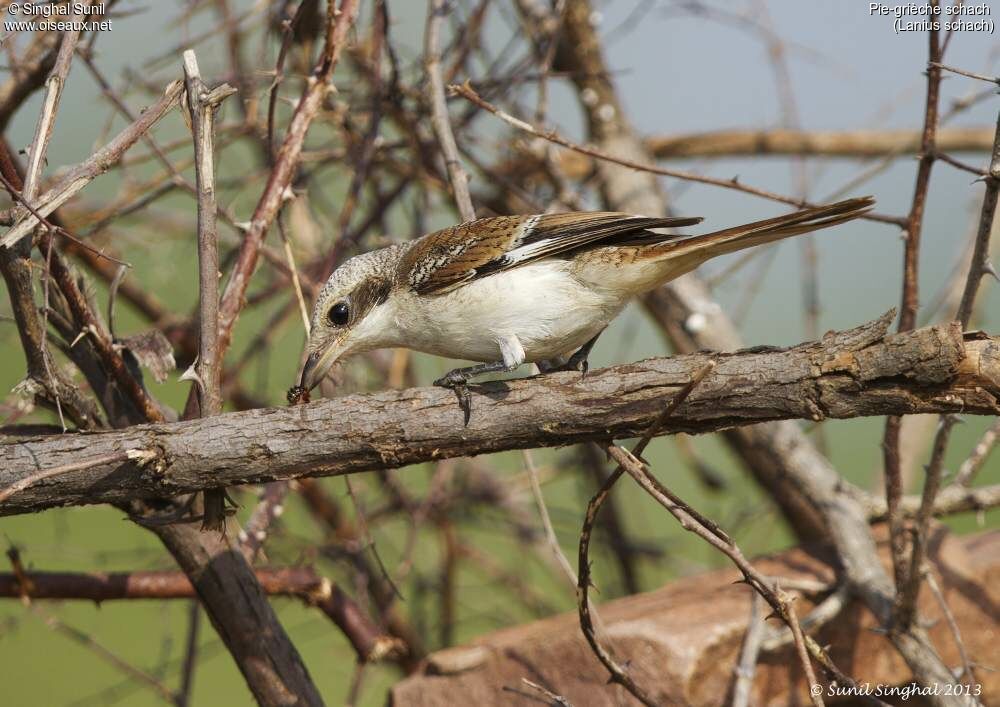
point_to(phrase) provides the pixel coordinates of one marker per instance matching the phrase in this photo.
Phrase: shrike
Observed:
(518, 289)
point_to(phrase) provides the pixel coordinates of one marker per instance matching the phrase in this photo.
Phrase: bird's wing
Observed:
(441, 261)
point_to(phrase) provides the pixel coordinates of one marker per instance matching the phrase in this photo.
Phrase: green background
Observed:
(854, 67)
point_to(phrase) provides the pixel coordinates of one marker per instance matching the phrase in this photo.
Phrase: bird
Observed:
(508, 290)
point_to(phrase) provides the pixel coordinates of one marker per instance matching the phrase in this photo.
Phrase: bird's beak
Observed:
(318, 364)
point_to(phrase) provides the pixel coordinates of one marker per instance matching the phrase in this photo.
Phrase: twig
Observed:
(46, 120)
(893, 481)
(183, 697)
(288, 31)
(551, 698)
(963, 72)
(466, 91)
(618, 674)
(436, 13)
(357, 681)
(339, 22)
(543, 512)
(202, 105)
(909, 303)
(303, 583)
(958, 164)
(980, 264)
(88, 641)
(953, 498)
(707, 530)
(974, 462)
(968, 673)
(76, 178)
(270, 507)
(788, 603)
(915, 219)
(821, 615)
(746, 666)
(906, 601)
(16, 267)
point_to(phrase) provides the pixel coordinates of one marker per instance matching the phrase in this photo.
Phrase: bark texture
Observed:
(855, 373)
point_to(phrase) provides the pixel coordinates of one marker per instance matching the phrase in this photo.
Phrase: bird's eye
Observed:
(339, 314)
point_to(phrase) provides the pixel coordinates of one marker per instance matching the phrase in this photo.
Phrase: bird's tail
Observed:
(688, 253)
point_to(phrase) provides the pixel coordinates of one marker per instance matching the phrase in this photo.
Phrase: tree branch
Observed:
(202, 105)
(299, 582)
(76, 178)
(848, 374)
(981, 264)
(436, 13)
(783, 142)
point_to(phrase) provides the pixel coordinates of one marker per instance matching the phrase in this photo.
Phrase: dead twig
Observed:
(909, 302)
(746, 666)
(980, 264)
(78, 177)
(466, 91)
(202, 105)
(437, 11)
(618, 673)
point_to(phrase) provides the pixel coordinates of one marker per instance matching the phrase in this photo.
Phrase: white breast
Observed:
(542, 304)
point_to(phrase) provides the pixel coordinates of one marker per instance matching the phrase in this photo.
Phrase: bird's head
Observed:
(350, 312)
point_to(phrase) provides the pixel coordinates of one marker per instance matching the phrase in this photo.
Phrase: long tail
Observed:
(691, 252)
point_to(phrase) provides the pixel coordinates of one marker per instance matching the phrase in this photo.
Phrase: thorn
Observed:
(89, 329)
(990, 270)
(192, 375)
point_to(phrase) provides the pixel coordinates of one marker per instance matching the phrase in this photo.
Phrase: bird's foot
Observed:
(458, 381)
(578, 361)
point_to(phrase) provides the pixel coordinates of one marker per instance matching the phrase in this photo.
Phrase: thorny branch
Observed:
(389, 127)
(202, 105)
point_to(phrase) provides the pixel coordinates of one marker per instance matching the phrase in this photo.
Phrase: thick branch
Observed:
(849, 374)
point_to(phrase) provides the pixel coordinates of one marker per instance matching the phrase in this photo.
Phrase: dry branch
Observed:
(97, 164)
(849, 374)
(787, 142)
(981, 264)
(298, 582)
(202, 105)
(466, 91)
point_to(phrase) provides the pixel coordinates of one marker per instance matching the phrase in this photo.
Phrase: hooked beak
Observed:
(318, 364)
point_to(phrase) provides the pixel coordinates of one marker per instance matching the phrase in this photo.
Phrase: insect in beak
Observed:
(317, 365)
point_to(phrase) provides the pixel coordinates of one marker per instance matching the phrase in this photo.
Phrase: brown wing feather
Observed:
(441, 261)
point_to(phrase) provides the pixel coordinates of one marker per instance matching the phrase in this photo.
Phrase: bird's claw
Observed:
(581, 365)
(458, 383)
(451, 379)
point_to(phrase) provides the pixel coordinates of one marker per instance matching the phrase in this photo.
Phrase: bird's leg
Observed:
(578, 361)
(458, 379)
